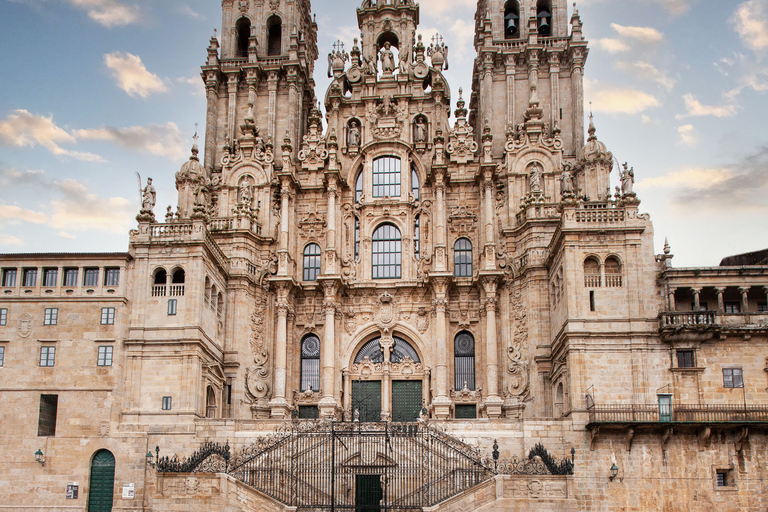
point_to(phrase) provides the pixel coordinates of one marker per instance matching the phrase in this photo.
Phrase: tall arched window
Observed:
(544, 17)
(311, 262)
(386, 177)
(400, 350)
(274, 36)
(387, 252)
(359, 187)
(210, 403)
(417, 237)
(102, 482)
(357, 237)
(464, 361)
(592, 273)
(310, 363)
(158, 283)
(462, 258)
(511, 20)
(612, 272)
(243, 36)
(415, 189)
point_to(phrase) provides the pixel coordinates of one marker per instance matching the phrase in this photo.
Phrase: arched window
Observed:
(464, 361)
(559, 400)
(592, 273)
(462, 258)
(511, 20)
(415, 190)
(612, 272)
(386, 177)
(161, 276)
(544, 17)
(357, 238)
(387, 252)
(243, 36)
(311, 262)
(177, 283)
(178, 276)
(210, 403)
(274, 36)
(359, 187)
(207, 297)
(214, 298)
(417, 237)
(400, 350)
(310, 363)
(102, 482)
(219, 304)
(159, 282)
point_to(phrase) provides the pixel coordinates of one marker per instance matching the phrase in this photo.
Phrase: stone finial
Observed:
(667, 248)
(461, 111)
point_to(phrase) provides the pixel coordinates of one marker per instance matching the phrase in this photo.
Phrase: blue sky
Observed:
(93, 91)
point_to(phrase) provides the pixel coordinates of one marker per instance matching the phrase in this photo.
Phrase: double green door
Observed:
(102, 482)
(406, 400)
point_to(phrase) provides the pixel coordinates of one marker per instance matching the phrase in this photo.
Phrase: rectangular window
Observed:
(46, 423)
(105, 356)
(732, 307)
(50, 275)
(762, 307)
(722, 478)
(9, 277)
(3, 316)
(591, 300)
(465, 412)
(386, 177)
(172, 307)
(309, 412)
(2, 356)
(733, 378)
(47, 356)
(91, 277)
(51, 316)
(166, 403)
(685, 359)
(702, 306)
(111, 277)
(70, 277)
(30, 277)
(107, 316)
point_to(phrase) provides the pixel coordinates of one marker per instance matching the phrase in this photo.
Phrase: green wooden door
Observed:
(366, 399)
(406, 400)
(368, 493)
(102, 482)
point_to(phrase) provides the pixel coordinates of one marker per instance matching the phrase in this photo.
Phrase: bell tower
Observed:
(259, 74)
(387, 21)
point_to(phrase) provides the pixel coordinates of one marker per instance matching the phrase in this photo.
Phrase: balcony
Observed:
(691, 414)
(703, 325)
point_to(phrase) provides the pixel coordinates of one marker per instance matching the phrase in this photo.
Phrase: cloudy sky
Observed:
(93, 91)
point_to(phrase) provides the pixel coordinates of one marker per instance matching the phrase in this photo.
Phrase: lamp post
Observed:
(495, 455)
(614, 472)
(39, 457)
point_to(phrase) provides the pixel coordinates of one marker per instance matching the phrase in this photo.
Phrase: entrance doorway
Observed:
(368, 493)
(102, 482)
(406, 400)
(366, 399)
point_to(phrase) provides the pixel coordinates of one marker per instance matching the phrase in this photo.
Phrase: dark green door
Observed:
(368, 493)
(366, 398)
(102, 482)
(406, 400)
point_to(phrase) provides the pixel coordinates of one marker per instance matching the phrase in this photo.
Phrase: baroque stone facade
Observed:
(388, 264)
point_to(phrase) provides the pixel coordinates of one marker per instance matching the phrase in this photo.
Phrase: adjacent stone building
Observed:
(385, 309)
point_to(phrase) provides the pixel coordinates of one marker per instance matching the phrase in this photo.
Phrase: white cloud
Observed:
(24, 129)
(611, 45)
(9, 240)
(687, 135)
(676, 7)
(647, 71)
(109, 13)
(14, 214)
(188, 11)
(750, 20)
(132, 76)
(695, 109)
(693, 177)
(617, 100)
(161, 140)
(436, 7)
(646, 119)
(641, 34)
(81, 210)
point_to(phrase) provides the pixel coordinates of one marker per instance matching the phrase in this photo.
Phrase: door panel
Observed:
(366, 398)
(102, 482)
(368, 493)
(406, 400)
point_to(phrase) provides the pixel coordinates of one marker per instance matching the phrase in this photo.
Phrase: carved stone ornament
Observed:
(386, 314)
(307, 397)
(466, 395)
(518, 370)
(314, 153)
(25, 325)
(257, 376)
(462, 220)
(312, 226)
(461, 146)
(422, 320)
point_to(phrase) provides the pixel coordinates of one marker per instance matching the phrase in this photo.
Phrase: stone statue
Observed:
(535, 178)
(420, 130)
(148, 196)
(353, 137)
(627, 180)
(370, 66)
(244, 193)
(566, 184)
(403, 63)
(387, 59)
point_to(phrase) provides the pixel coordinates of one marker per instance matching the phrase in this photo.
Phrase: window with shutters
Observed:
(733, 378)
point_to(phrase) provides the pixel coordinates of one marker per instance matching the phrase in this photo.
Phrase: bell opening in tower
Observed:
(544, 17)
(388, 37)
(243, 36)
(274, 36)
(511, 20)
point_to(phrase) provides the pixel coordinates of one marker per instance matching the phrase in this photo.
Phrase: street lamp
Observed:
(39, 457)
(614, 472)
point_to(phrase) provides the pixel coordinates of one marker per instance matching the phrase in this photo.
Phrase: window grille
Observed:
(310, 363)
(464, 361)
(400, 350)
(387, 252)
(311, 262)
(386, 177)
(462, 258)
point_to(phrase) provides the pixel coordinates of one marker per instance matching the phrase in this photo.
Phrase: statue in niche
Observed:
(353, 137)
(535, 178)
(244, 193)
(403, 62)
(148, 196)
(627, 180)
(420, 130)
(387, 59)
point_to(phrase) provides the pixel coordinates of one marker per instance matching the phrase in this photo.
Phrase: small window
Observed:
(275, 36)
(107, 316)
(166, 403)
(172, 303)
(30, 277)
(311, 262)
(462, 258)
(359, 187)
(722, 478)
(9, 277)
(732, 308)
(415, 190)
(47, 356)
(357, 238)
(3, 316)
(309, 412)
(592, 300)
(466, 411)
(386, 252)
(46, 423)
(417, 237)
(70, 277)
(386, 177)
(762, 307)
(112, 277)
(50, 276)
(310, 363)
(685, 359)
(703, 306)
(733, 378)
(91, 277)
(105, 356)
(2, 356)
(51, 316)
(464, 361)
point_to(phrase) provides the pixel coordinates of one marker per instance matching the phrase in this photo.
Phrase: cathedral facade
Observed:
(395, 281)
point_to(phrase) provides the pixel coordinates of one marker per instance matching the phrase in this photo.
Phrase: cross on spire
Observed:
(437, 39)
(338, 46)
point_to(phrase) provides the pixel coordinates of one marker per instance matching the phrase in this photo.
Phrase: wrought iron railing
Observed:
(682, 413)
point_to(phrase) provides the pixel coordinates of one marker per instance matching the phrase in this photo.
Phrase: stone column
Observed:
(554, 86)
(440, 247)
(441, 402)
(490, 243)
(330, 249)
(744, 290)
(211, 88)
(671, 297)
(346, 385)
(510, 71)
(577, 99)
(279, 404)
(696, 299)
(327, 401)
(493, 402)
(720, 301)
(765, 291)
(285, 196)
(232, 81)
(387, 342)
(293, 102)
(272, 82)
